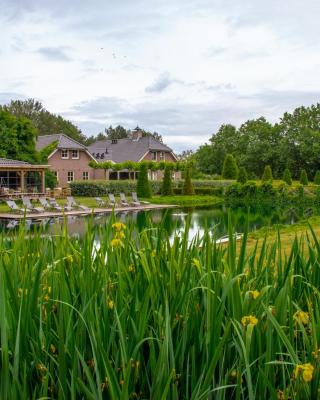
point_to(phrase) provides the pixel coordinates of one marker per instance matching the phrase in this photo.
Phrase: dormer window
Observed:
(75, 154)
(64, 154)
(161, 155)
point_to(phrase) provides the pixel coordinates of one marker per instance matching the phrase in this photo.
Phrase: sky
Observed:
(178, 67)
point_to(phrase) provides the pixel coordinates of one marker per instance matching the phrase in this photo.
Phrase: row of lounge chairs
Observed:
(51, 204)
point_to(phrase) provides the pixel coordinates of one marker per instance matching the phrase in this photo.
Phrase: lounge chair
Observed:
(123, 200)
(54, 204)
(100, 202)
(112, 199)
(27, 203)
(47, 206)
(71, 203)
(135, 200)
(13, 206)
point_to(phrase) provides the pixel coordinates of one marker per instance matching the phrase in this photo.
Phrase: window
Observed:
(56, 175)
(85, 175)
(70, 176)
(161, 155)
(64, 153)
(154, 155)
(75, 154)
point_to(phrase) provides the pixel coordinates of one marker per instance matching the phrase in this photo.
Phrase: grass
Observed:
(188, 201)
(143, 317)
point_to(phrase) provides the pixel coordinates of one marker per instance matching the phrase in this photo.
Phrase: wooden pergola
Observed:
(21, 177)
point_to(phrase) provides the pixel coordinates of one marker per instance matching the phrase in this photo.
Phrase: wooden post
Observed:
(22, 186)
(43, 181)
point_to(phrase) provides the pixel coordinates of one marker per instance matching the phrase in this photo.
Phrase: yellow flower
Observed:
(110, 304)
(131, 268)
(254, 294)
(116, 243)
(120, 235)
(197, 264)
(118, 226)
(153, 253)
(249, 319)
(46, 297)
(280, 394)
(301, 317)
(306, 370)
(52, 348)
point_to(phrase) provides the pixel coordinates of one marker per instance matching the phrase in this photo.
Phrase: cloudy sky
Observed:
(178, 67)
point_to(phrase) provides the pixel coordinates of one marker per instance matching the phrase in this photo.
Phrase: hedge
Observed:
(94, 188)
(101, 187)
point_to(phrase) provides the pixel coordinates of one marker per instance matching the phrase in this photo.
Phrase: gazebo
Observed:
(18, 177)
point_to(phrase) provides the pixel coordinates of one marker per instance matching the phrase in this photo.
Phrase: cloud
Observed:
(160, 84)
(54, 53)
(6, 97)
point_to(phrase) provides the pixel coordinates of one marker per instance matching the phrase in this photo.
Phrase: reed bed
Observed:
(140, 316)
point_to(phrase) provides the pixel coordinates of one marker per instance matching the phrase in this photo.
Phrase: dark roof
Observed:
(8, 161)
(64, 142)
(127, 149)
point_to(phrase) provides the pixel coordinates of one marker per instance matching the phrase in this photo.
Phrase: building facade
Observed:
(70, 160)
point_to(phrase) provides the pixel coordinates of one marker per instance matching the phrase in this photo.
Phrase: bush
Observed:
(188, 187)
(166, 189)
(267, 174)
(287, 176)
(230, 169)
(143, 184)
(317, 178)
(304, 177)
(242, 176)
(50, 178)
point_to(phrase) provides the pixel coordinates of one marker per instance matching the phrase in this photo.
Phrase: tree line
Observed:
(292, 143)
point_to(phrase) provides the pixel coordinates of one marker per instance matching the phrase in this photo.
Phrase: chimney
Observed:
(136, 134)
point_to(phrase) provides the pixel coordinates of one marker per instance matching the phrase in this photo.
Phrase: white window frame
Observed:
(85, 175)
(65, 157)
(154, 156)
(56, 175)
(72, 156)
(161, 156)
(68, 176)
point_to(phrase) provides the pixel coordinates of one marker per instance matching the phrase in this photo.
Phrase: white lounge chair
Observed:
(47, 206)
(135, 200)
(112, 200)
(13, 206)
(100, 202)
(71, 203)
(123, 200)
(139, 202)
(27, 203)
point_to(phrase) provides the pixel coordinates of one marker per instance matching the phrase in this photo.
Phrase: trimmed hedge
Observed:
(101, 187)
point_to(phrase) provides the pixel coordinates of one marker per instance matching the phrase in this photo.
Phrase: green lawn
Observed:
(183, 200)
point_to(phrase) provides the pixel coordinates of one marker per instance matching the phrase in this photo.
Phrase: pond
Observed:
(215, 219)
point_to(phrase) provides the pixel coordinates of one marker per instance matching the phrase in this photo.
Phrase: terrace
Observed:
(19, 177)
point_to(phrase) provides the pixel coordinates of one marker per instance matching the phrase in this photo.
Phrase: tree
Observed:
(45, 122)
(188, 186)
(287, 176)
(166, 189)
(242, 175)
(117, 133)
(17, 138)
(267, 174)
(304, 177)
(317, 178)
(230, 169)
(143, 184)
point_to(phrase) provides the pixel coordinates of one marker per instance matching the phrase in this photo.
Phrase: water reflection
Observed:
(215, 219)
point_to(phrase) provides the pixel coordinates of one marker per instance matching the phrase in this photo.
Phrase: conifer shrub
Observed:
(230, 168)
(188, 186)
(304, 177)
(317, 178)
(143, 184)
(267, 174)
(242, 175)
(166, 189)
(287, 176)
